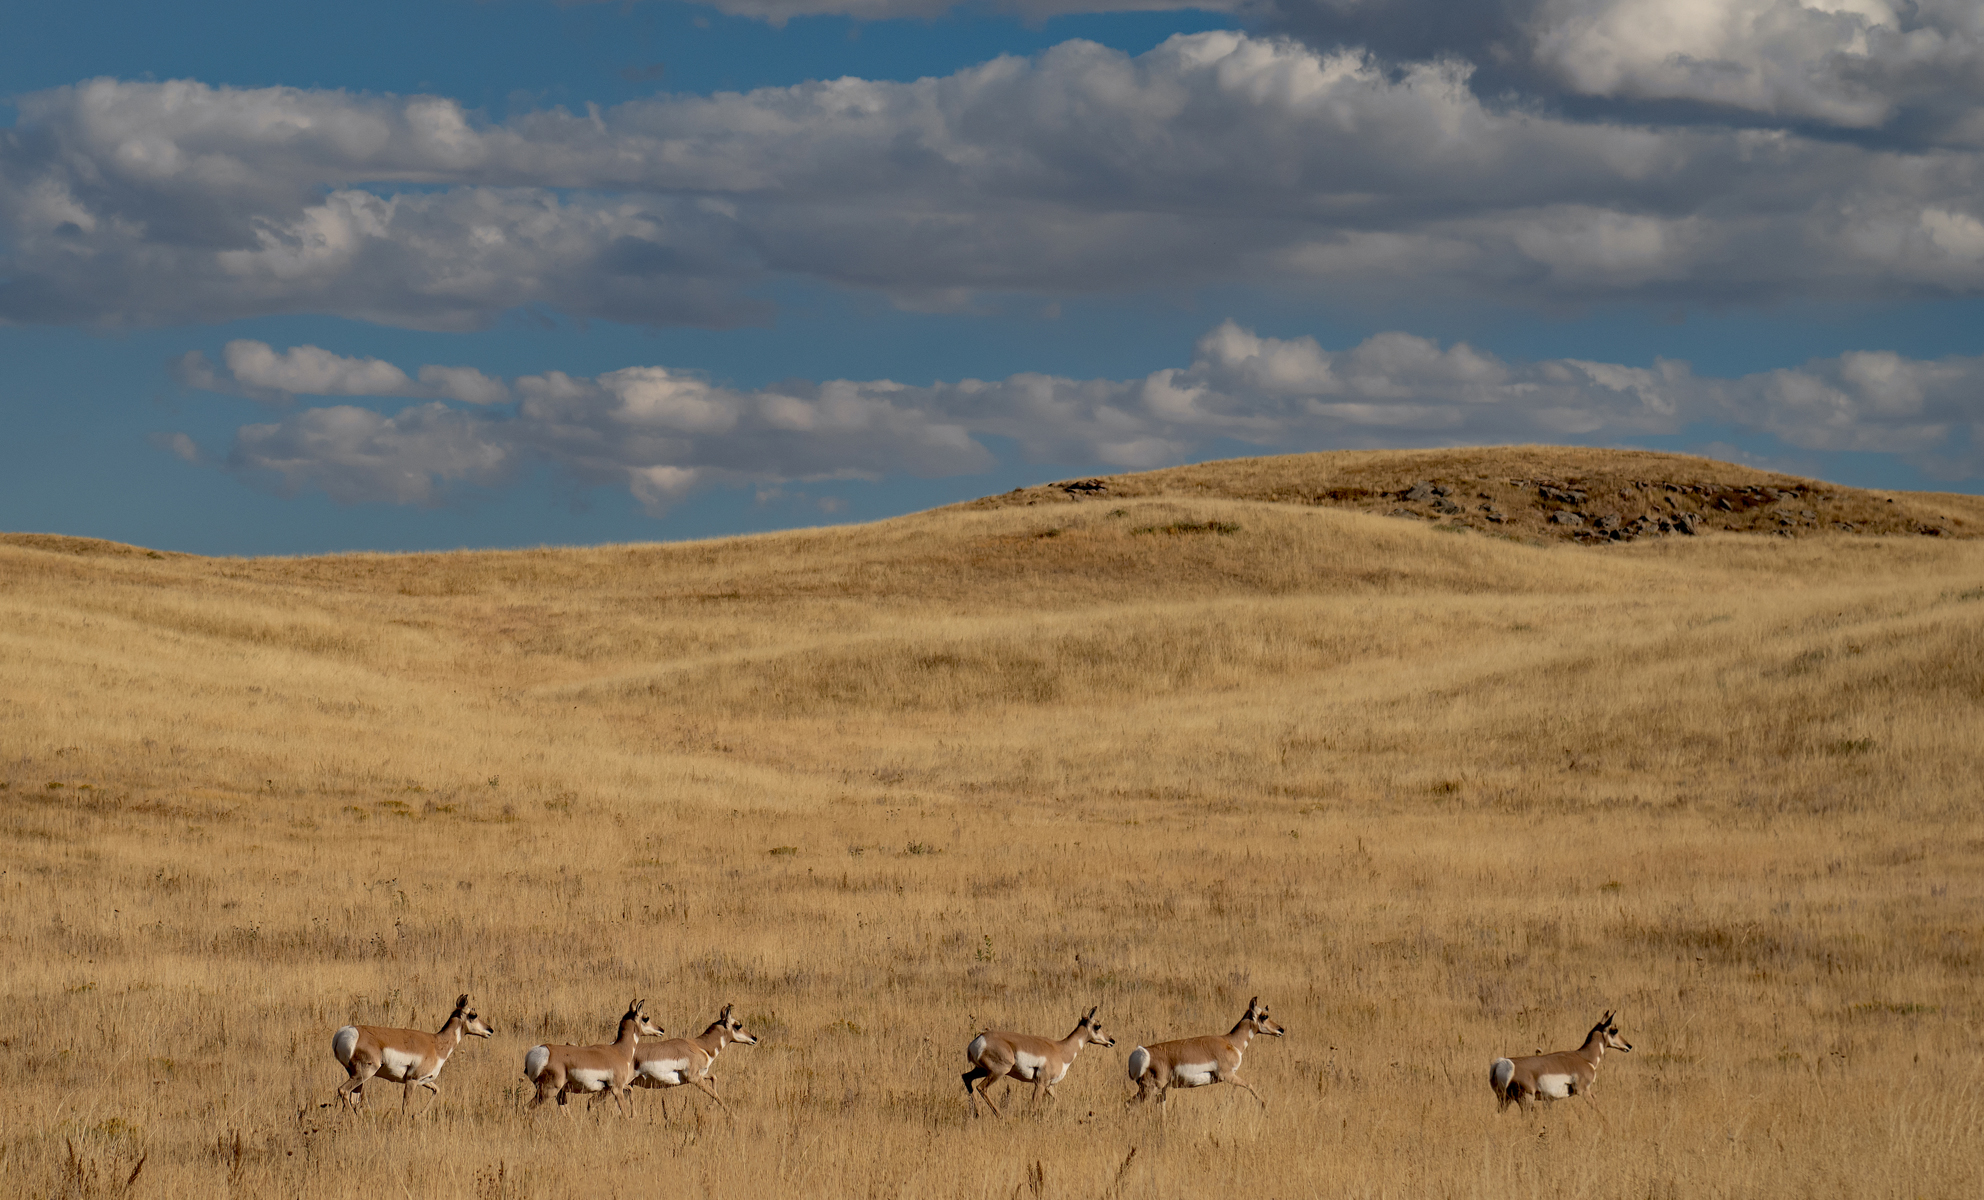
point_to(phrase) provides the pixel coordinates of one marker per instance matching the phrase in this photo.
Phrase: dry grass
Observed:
(1434, 796)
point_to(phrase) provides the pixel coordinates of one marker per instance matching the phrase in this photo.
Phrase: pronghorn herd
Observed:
(413, 1058)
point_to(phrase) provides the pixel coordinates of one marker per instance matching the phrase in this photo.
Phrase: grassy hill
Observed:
(1437, 787)
(1543, 492)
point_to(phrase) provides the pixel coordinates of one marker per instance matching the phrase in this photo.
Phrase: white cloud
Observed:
(465, 384)
(662, 433)
(1911, 70)
(354, 454)
(1215, 158)
(256, 370)
(313, 371)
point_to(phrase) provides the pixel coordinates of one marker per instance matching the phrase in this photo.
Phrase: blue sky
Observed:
(295, 279)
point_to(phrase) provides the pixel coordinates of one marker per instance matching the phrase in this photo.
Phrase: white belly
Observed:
(588, 1079)
(398, 1065)
(1554, 1087)
(1027, 1066)
(1193, 1075)
(664, 1074)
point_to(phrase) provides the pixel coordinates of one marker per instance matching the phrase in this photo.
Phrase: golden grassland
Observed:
(1435, 796)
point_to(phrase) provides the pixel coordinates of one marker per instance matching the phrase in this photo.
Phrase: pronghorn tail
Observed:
(1500, 1072)
(534, 1062)
(343, 1042)
(976, 1048)
(1139, 1062)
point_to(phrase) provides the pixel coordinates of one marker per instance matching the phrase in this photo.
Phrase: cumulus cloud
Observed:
(354, 454)
(1214, 158)
(662, 433)
(256, 370)
(1911, 69)
(1906, 72)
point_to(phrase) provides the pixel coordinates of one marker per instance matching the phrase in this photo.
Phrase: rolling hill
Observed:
(1435, 786)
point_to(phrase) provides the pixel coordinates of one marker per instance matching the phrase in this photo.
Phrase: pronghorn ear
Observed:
(1254, 1005)
(1091, 1014)
(725, 1014)
(461, 1001)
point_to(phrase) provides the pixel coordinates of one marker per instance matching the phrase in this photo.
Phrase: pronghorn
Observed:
(410, 1057)
(566, 1069)
(1196, 1062)
(1554, 1076)
(1038, 1060)
(688, 1060)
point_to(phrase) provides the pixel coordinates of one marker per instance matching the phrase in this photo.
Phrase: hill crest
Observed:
(1547, 492)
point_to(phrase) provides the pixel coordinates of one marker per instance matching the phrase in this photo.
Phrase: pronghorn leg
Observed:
(1236, 1081)
(351, 1091)
(1599, 1112)
(985, 1090)
(708, 1087)
(970, 1078)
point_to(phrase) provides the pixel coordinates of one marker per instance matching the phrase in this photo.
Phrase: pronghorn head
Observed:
(472, 1023)
(1257, 1016)
(1093, 1028)
(642, 1025)
(734, 1028)
(1608, 1029)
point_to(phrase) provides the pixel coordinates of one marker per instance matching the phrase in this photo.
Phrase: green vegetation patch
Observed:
(1179, 528)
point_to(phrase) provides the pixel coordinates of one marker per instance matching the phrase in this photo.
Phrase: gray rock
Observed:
(1566, 517)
